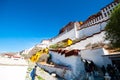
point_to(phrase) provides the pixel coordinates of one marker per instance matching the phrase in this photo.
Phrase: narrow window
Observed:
(105, 14)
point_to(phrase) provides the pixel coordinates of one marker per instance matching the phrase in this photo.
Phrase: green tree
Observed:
(113, 28)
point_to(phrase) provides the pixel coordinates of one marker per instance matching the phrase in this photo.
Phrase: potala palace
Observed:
(89, 36)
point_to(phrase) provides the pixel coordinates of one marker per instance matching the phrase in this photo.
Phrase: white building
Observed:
(90, 32)
(94, 24)
(69, 31)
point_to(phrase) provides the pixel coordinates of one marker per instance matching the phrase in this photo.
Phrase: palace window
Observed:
(115, 3)
(111, 10)
(108, 13)
(112, 5)
(101, 16)
(105, 14)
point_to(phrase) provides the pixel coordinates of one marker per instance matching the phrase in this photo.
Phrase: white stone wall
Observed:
(61, 72)
(91, 30)
(93, 26)
(73, 62)
(94, 39)
(71, 34)
(95, 55)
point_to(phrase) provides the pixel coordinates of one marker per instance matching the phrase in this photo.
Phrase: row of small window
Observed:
(107, 11)
(93, 21)
(110, 6)
(96, 19)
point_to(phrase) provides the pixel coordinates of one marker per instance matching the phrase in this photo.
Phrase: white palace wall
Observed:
(91, 29)
(90, 32)
(70, 34)
(95, 55)
(73, 62)
(94, 39)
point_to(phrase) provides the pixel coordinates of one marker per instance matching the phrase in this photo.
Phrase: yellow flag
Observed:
(69, 42)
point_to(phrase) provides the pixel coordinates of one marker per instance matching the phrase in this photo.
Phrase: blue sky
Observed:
(24, 23)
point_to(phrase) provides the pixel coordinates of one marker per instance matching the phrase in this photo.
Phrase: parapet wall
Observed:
(97, 37)
(85, 32)
(72, 61)
(70, 34)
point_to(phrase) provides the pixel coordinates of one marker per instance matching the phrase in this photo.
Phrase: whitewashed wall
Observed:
(95, 55)
(71, 34)
(97, 27)
(73, 62)
(88, 31)
(103, 25)
(91, 30)
(61, 72)
(94, 39)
